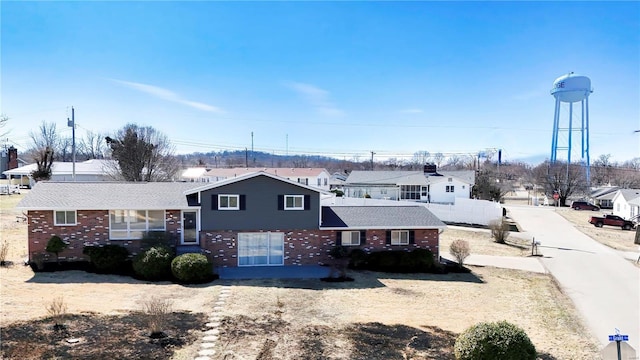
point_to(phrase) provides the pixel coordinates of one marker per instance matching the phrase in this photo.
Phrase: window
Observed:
(411, 192)
(383, 191)
(400, 237)
(303, 181)
(229, 202)
(294, 202)
(450, 188)
(132, 224)
(326, 181)
(350, 238)
(319, 182)
(65, 218)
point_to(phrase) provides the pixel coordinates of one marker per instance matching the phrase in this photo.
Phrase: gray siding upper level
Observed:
(260, 206)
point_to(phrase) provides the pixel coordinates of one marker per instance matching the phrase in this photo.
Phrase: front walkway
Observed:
(273, 272)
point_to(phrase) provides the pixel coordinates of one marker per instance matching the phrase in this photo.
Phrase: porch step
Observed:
(188, 249)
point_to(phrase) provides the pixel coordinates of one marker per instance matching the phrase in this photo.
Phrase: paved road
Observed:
(603, 285)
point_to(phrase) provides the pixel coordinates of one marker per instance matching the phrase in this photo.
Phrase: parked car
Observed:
(583, 205)
(612, 220)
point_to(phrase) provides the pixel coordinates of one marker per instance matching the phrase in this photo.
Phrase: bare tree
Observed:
(420, 158)
(92, 146)
(46, 137)
(143, 154)
(601, 170)
(44, 161)
(558, 176)
(438, 158)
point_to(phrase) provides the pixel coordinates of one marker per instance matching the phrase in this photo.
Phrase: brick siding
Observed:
(308, 247)
(92, 229)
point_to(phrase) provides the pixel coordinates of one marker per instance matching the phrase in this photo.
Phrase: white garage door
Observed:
(260, 249)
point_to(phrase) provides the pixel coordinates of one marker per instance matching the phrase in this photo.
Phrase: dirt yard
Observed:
(377, 316)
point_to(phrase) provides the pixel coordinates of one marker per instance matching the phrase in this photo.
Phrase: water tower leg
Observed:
(554, 136)
(587, 148)
(570, 133)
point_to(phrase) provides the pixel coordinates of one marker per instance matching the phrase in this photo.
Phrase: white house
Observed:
(316, 177)
(420, 186)
(195, 174)
(626, 203)
(89, 170)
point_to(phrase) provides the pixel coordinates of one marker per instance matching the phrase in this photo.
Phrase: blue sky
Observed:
(334, 78)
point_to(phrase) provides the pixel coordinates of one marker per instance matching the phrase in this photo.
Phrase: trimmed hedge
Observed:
(489, 341)
(191, 268)
(107, 258)
(154, 264)
(399, 261)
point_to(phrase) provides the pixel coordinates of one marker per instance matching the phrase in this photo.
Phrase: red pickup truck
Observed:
(612, 220)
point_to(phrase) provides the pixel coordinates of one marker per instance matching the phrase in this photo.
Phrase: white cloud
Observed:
(316, 97)
(412, 111)
(167, 95)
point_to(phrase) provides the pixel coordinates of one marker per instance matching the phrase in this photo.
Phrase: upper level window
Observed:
(294, 202)
(400, 237)
(326, 181)
(450, 188)
(65, 218)
(319, 182)
(350, 238)
(303, 181)
(229, 202)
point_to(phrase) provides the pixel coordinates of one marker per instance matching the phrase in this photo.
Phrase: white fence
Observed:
(9, 189)
(467, 211)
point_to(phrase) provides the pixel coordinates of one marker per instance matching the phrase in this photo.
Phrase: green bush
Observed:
(55, 245)
(157, 238)
(191, 268)
(154, 264)
(489, 341)
(107, 258)
(357, 259)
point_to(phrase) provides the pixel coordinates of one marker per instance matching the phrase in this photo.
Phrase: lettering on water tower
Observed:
(560, 85)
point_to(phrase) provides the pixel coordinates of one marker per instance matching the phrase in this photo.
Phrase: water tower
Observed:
(571, 89)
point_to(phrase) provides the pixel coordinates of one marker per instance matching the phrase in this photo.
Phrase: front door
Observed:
(189, 227)
(260, 249)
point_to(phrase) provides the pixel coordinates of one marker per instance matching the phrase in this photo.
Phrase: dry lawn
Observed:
(481, 242)
(378, 316)
(611, 236)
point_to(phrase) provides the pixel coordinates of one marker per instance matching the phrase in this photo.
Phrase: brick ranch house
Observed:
(256, 219)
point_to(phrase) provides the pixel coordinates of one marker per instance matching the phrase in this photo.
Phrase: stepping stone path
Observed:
(212, 334)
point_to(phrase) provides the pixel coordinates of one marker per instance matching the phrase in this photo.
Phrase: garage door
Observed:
(260, 249)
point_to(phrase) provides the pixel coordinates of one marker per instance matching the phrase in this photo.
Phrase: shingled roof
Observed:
(379, 217)
(107, 195)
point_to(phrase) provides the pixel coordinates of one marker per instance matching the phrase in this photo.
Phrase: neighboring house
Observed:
(420, 186)
(623, 204)
(315, 177)
(337, 180)
(257, 219)
(195, 174)
(89, 170)
(603, 197)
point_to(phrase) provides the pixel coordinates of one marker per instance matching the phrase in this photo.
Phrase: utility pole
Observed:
(372, 153)
(72, 123)
(253, 155)
(246, 158)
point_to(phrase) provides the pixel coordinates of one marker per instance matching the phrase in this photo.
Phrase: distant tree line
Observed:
(143, 153)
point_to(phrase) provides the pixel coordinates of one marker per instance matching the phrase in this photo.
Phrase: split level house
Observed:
(422, 186)
(256, 219)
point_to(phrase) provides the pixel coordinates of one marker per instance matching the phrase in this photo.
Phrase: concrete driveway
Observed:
(603, 285)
